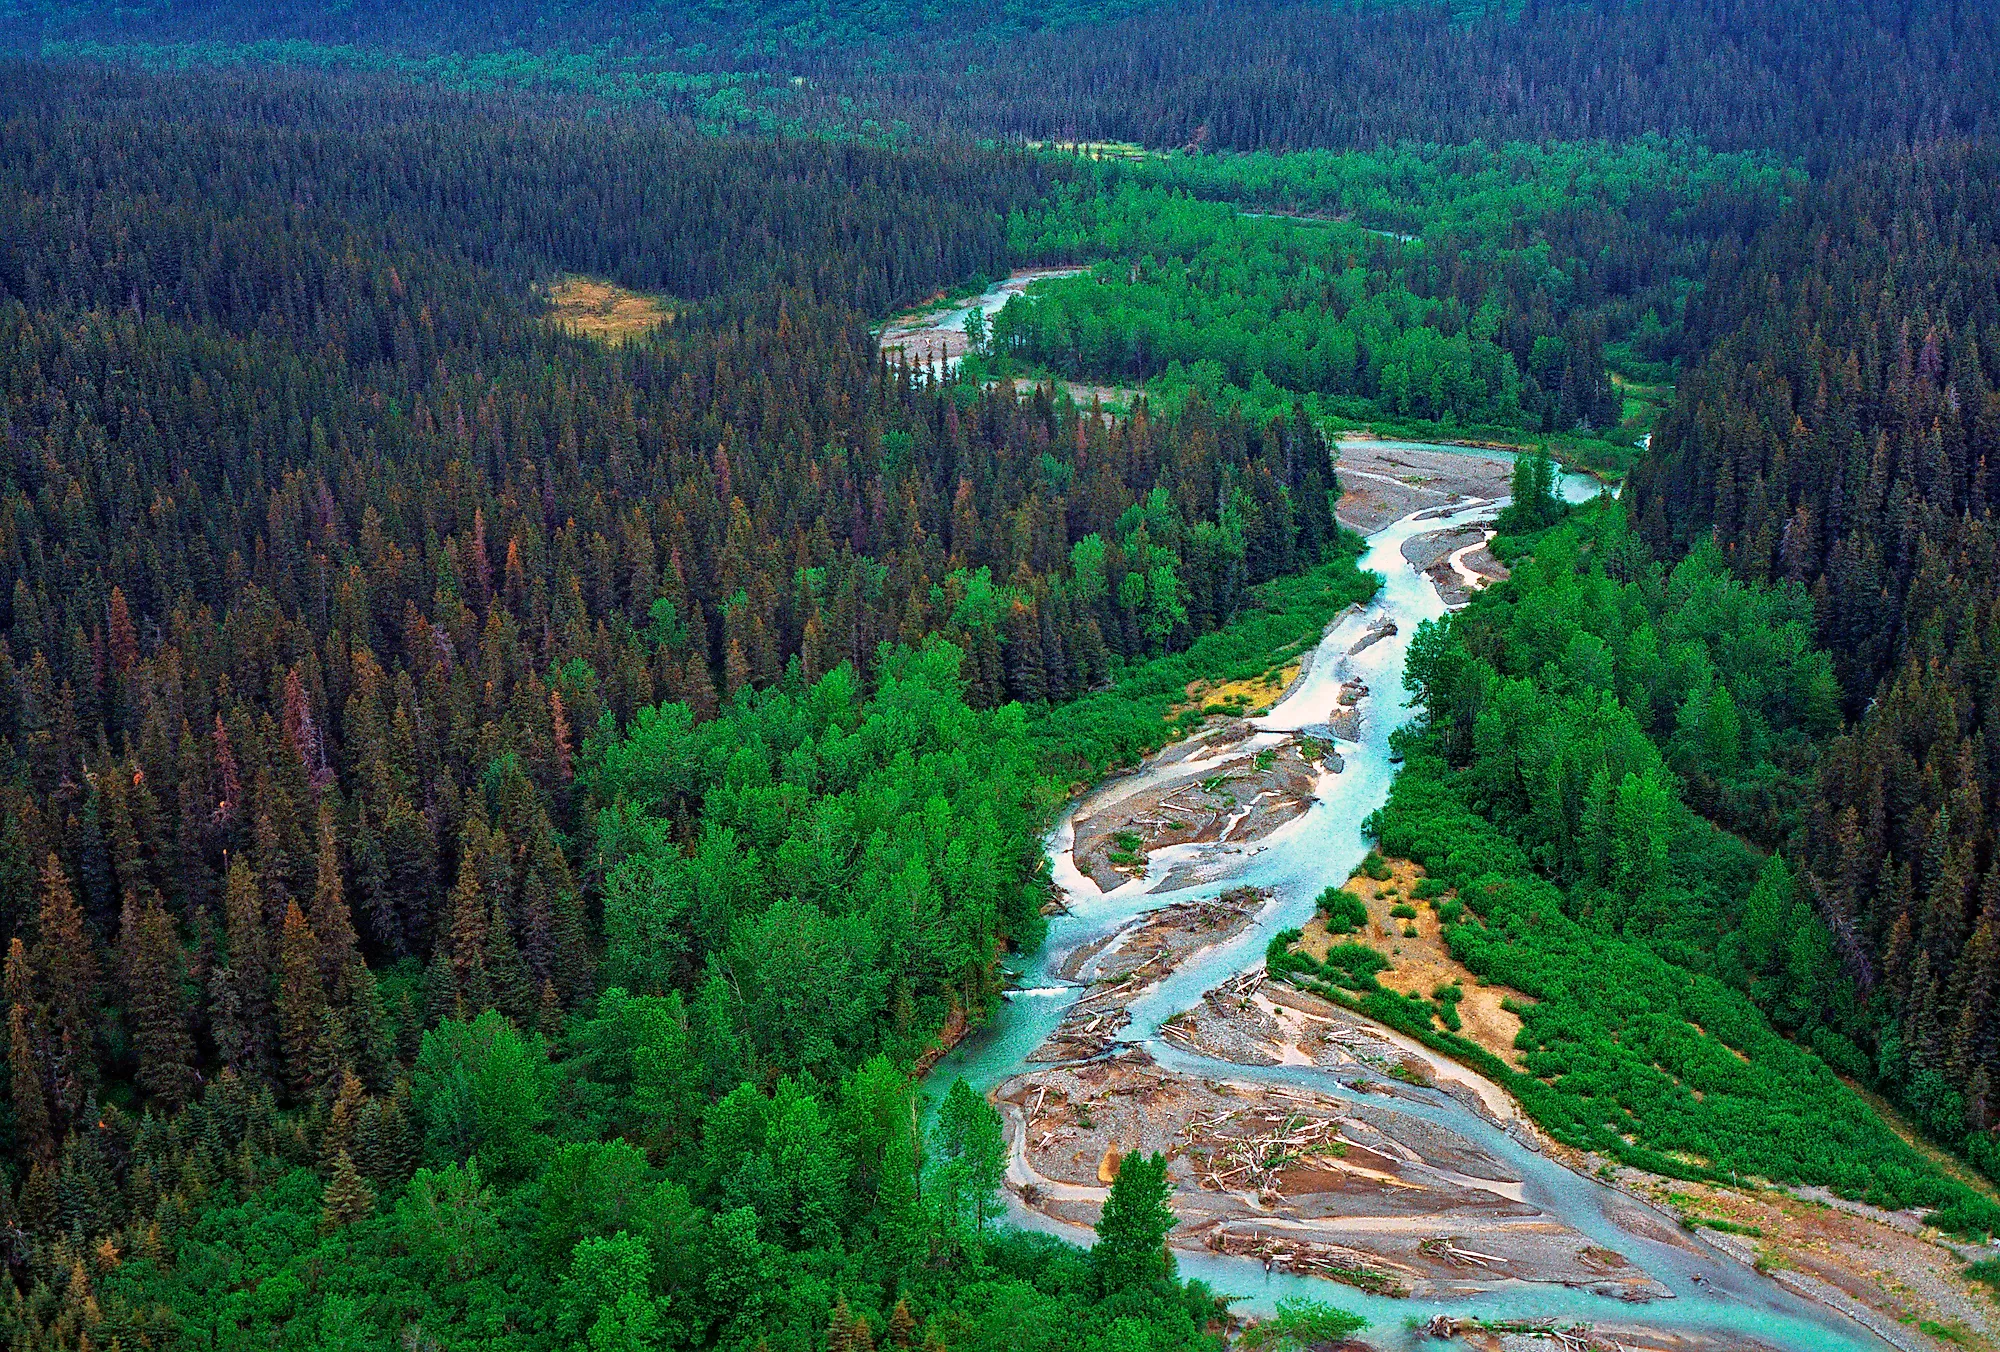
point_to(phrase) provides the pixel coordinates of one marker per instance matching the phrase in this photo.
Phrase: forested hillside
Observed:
(336, 576)
(1468, 287)
(1575, 720)
(1843, 435)
(1812, 79)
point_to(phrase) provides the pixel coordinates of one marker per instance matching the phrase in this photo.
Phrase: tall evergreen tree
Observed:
(301, 1006)
(156, 1008)
(65, 959)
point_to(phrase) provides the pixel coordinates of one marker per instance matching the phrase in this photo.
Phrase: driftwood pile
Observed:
(1253, 1160)
(1081, 1035)
(1305, 1258)
(1147, 953)
(1569, 1338)
(1093, 1023)
(1445, 1248)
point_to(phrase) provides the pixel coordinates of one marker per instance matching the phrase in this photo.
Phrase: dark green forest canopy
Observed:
(1804, 77)
(329, 559)
(1472, 286)
(352, 614)
(1573, 718)
(1843, 434)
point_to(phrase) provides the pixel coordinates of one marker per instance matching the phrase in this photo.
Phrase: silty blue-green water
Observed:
(1713, 1296)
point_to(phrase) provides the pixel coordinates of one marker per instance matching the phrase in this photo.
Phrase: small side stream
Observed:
(1712, 1295)
(990, 302)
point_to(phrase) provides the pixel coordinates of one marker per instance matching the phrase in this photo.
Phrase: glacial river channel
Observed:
(1715, 1300)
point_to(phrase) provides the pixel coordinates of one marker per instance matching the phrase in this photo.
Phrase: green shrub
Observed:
(1986, 1272)
(1354, 966)
(1344, 912)
(1536, 793)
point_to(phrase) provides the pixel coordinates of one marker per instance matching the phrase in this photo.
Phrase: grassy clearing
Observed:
(604, 312)
(1643, 404)
(1421, 964)
(1251, 694)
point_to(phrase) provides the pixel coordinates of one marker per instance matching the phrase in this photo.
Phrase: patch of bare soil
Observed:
(1421, 963)
(1885, 1269)
(1311, 1184)
(1124, 964)
(1254, 1021)
(1224, 794)
(602, 311)
(1252, 695)
(1084, 394)
(1383, 482)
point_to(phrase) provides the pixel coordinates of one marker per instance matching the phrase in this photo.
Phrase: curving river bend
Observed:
(1715, 1299)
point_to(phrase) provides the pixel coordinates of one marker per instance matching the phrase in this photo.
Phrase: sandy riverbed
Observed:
(1382, 1201)
(1226, 790)
(1457, 562)
(1122, 965)
(1388, 1202)
(1384, 481)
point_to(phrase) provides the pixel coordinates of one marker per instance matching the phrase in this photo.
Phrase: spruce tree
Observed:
(301, 1001)
(840, 1327)
(332, 1056)
(332, 920)
(65, 959)
(156, 1009)
(507, 975)
(396, 1132)
(1132, 1230)
(348, 1198)
(549, 1015)
(471, 989)
(249, 971)
(26, 1064)
(343, 1122)
(25, 1082)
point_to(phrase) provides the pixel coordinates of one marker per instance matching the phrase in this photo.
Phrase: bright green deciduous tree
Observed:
(482, 1090)
(1131, 1249)
(968, 1160)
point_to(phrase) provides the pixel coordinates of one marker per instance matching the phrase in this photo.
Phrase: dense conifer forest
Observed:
(1814, 79)
(1842, 436)
(495, 825)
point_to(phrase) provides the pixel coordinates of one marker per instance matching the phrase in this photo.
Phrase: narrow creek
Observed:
(1714, 1297)
(942, 331)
